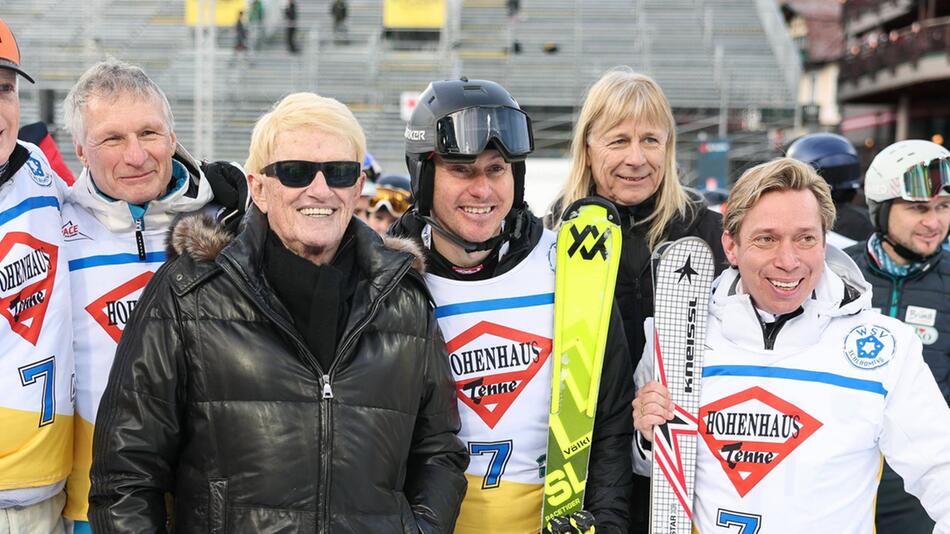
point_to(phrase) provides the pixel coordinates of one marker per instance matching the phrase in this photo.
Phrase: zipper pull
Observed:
(139, 240)
(327, 390)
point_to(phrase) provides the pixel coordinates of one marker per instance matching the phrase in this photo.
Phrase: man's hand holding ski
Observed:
(651, 408)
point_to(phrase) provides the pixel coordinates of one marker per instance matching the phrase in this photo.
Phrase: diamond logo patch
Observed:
(493, 364)
(27, 274)
(751, 432)
(112, 310)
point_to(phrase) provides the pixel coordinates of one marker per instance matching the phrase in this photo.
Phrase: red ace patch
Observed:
(27, 273)
(113, 309)
(493, 364)
(751, 432)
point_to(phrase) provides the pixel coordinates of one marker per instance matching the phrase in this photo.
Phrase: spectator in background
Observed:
(624, 150)
(362, 204)
(393, 197)
(339, 11)
(290, 13)
(836, 160)
(240, 34)
(514, 11)
(256, 20)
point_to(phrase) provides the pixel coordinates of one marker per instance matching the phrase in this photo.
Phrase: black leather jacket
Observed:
(215, 398)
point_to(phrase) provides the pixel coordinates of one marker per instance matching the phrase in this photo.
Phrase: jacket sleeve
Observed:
(610, 475)
(710, 230)
(642, 457)
(138, 423)
(915, 436)
(435, 483)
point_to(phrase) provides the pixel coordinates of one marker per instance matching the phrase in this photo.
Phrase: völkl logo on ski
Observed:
(598, 247)
(27, 275)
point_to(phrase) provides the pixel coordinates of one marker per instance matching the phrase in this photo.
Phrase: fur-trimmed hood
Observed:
(200, 237)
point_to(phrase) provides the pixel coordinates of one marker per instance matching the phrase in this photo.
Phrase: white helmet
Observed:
(914, 170)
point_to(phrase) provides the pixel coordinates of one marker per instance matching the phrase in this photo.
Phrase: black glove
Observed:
(580, 522)
(229, 184)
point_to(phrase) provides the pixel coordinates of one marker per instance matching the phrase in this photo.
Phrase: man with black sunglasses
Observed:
(288, 378)
(907, 188)
(491, 275)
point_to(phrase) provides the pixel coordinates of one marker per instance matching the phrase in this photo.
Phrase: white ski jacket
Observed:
(792, 437)
(36, 358)
(113, 250)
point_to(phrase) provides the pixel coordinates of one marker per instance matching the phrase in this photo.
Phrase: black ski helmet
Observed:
(832, 156)
(395, 181)
(458, 119)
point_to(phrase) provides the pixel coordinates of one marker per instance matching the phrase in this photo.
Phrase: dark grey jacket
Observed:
(215, 398)
(927, 289)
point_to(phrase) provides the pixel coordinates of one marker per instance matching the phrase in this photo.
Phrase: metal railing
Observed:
(888, 50)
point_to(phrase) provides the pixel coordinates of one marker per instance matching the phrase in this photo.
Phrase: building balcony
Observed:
(860, 16)
(916, 56)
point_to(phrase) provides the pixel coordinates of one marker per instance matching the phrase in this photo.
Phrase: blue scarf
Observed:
(888, 265)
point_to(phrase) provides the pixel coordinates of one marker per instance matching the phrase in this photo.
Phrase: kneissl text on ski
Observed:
(683, 276)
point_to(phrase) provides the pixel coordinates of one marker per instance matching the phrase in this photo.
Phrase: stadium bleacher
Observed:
(672, 40)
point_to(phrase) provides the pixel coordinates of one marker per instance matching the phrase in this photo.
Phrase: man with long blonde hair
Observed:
(624, 150)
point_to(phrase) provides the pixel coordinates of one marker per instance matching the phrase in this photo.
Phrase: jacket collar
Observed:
(841, 291)
(382, 264)
(190, 192)
(21, 153)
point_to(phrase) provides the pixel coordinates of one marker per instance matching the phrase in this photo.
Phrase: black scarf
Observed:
(317, 296)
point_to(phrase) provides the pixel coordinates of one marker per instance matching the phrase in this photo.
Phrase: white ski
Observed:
(682, 280)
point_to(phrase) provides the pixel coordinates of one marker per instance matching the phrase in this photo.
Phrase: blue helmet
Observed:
(371, 167)
(832, 156)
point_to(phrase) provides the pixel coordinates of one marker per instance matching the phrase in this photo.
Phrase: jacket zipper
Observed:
(328, 390)
(895, 295)
(139, 239)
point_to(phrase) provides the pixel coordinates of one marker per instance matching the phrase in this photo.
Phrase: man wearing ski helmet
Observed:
(491, 276)
(906, 188)
(836, 160)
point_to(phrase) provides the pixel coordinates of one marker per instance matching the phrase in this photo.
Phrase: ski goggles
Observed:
(463, 135)
(297, 173)
(923, 181)
(394, 200)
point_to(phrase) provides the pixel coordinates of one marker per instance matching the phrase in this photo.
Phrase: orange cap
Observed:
(10, 52)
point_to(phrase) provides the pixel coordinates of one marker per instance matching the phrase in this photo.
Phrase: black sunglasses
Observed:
(296, 173)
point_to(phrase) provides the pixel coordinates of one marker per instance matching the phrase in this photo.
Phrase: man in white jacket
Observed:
(804, 387)
(135, 180)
